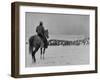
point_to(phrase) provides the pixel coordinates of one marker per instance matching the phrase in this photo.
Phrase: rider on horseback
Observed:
(41, 33)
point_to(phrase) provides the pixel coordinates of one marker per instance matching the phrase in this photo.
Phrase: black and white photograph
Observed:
(52, 39)
(56, 39)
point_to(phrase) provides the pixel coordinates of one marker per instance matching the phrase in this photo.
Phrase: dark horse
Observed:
(35, 43)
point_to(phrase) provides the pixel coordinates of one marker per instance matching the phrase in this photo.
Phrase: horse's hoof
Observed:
(33, 61)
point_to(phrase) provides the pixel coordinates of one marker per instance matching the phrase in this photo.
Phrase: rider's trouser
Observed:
(44, 40)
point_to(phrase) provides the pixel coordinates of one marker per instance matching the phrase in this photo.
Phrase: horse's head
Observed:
(46, 33)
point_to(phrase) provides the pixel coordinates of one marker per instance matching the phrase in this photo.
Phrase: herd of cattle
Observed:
(54, 42)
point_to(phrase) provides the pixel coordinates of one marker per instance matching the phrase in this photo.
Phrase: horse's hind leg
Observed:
(33, 54)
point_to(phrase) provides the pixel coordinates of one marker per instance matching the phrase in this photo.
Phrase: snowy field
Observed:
(60, 55)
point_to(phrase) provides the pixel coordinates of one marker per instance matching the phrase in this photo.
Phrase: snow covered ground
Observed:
(60, 55)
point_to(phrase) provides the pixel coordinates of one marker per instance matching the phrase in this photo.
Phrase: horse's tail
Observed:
(31, 44)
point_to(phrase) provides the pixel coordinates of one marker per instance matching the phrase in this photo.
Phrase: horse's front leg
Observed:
(40, 53)
(43, 52)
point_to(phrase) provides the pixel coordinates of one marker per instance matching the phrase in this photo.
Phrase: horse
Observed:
(35, 42)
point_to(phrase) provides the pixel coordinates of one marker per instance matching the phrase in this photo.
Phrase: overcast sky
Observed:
(58, 24)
